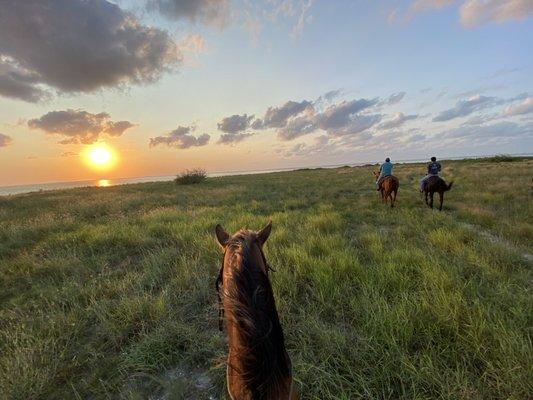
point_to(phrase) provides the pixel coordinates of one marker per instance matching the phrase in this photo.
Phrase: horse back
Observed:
(391, 183)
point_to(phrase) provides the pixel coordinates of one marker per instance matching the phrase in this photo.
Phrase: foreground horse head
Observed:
(435, 184)
(259, 367)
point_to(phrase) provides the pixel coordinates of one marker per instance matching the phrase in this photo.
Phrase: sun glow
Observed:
(100, 156)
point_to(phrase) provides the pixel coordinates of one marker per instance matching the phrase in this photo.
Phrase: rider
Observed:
(433, 170)
(384, 170)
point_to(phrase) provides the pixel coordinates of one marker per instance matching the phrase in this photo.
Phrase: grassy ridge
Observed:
(108, 292)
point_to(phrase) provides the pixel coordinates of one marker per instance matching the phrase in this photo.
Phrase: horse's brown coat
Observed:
(388, 188)
(259, 367)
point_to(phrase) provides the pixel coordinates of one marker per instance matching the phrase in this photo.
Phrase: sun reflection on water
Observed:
(103, 183)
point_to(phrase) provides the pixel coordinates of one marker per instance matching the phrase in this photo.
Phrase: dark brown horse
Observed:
(435, 184)
(388, 188)
(259, 367)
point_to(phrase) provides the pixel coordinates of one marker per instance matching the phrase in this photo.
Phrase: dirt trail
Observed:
(492, 238)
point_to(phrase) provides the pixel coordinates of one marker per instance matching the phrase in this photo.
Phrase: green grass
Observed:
(109, 292)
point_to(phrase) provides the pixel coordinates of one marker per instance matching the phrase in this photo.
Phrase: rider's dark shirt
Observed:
(434, 168)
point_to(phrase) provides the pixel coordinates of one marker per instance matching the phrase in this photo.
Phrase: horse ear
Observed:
(264, 233)
(222, 236)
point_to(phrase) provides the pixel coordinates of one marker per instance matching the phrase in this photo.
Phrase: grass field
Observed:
(109, 292)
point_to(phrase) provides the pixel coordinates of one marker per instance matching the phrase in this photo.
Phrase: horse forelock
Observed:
(249, 305)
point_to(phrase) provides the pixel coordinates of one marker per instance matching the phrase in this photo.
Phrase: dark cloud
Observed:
(294, 119)
(18, 83)
(235, 123)
(298, 126)
(357, 124)
(231, 138)
(181, 138)
(77, 46)
(79, 126)
(397, 120)
(276, 117)
(5, 140)
(215, 12)
(340, 115)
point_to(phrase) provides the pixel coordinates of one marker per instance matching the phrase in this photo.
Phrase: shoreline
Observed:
(13, 190)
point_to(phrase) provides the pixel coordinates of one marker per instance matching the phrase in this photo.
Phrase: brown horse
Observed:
(388, 188)
(259, 367)
(435, 184)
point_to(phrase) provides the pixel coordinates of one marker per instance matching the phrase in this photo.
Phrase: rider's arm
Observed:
(439, 166)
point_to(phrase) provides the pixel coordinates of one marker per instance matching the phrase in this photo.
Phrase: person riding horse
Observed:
(433, 170)
(384, 170)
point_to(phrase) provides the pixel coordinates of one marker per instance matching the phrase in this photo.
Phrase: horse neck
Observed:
(255, 336)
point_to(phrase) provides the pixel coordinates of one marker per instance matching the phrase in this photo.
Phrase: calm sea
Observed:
(37, 187)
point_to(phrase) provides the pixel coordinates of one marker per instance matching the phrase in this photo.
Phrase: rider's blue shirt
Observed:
(386, 169)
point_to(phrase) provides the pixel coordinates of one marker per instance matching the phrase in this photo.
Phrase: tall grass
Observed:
(108, 292)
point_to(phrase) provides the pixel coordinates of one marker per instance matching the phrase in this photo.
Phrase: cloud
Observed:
(303, 18)
(397, 120)
(526, 107)
(499, 130)
(417, 7)
(395, 98)
(276, 117)
(191, 46)
(235, 123)
(212, 12)
(231, 138)
(465, 107)
(180, 138)
(341, 114)
(77, 46)
(357, 124)
(5, 140)
(79, 126)
(18, 83)
(296, 127)
(69, 154)
(474, 13)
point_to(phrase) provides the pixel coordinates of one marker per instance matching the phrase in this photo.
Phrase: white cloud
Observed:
(525, 107)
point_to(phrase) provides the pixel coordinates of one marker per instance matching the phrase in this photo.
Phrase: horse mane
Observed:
(249, 304)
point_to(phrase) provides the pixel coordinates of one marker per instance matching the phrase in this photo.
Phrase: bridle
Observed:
(220, 282)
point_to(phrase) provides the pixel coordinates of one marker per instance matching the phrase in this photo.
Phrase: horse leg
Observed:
(441, 199)
(394, 198)
(431, 199)
(426, 193)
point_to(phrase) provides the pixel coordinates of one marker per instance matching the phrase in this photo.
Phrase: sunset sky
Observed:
(249, 85)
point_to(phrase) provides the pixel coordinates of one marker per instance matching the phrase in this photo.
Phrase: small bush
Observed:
(191, 176)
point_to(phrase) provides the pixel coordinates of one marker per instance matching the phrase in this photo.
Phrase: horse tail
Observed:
(449, 186)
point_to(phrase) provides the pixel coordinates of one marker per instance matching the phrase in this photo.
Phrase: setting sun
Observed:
(100, 157)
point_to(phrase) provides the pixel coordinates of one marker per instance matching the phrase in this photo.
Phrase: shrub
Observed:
(191, 176)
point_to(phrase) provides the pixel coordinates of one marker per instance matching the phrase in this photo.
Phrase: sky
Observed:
(237, 85)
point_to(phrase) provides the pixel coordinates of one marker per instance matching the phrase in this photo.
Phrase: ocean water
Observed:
(39, 187)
